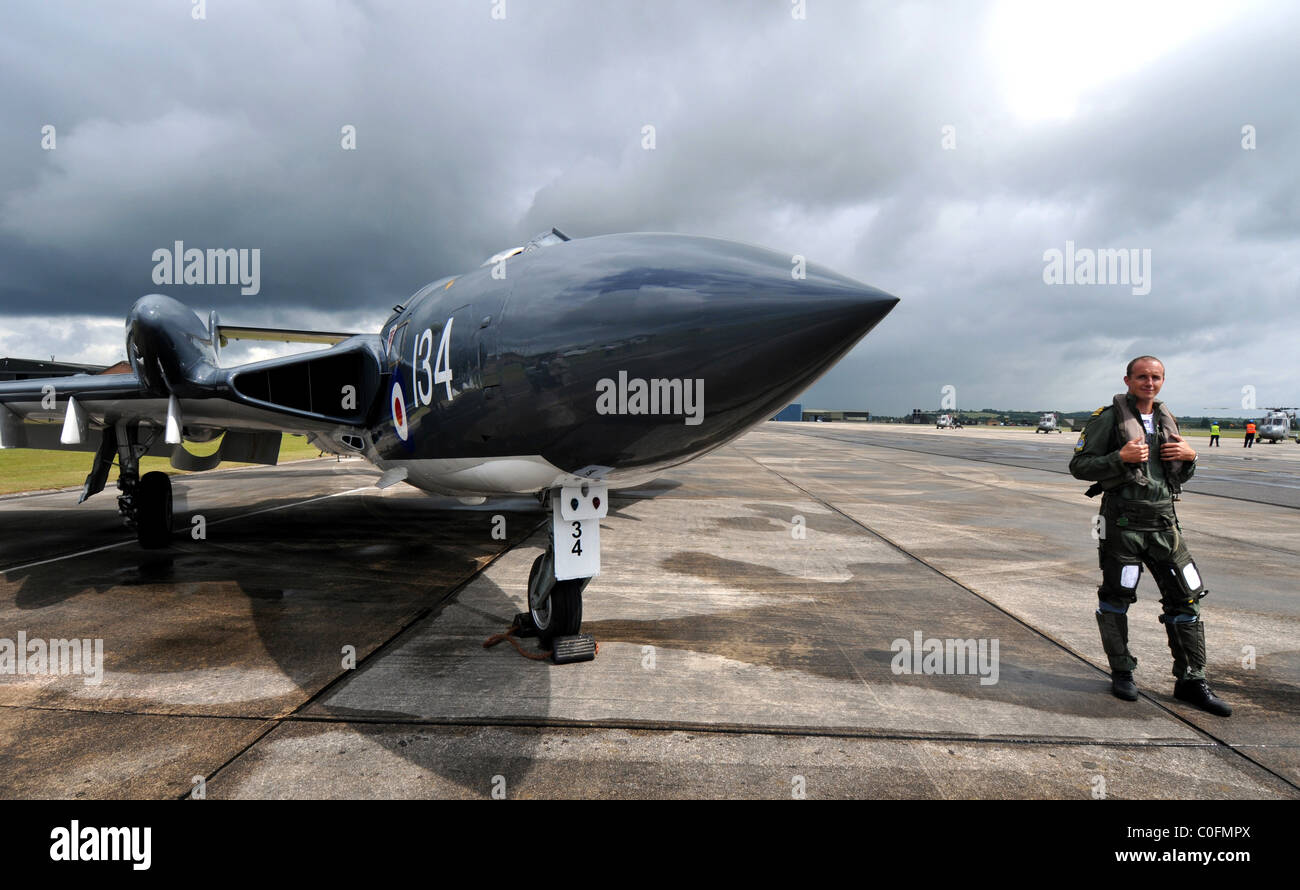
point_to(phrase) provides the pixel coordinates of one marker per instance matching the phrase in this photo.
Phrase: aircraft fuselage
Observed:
(608, 358)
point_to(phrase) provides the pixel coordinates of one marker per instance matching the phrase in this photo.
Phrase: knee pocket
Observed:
(1182, 576)
(1181, 585)
(1120, 578)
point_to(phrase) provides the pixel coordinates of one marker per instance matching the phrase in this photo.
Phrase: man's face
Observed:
(1146, 379)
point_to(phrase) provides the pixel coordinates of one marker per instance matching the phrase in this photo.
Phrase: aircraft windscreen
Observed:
(545, 239)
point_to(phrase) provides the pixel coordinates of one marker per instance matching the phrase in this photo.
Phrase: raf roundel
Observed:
(399, 412)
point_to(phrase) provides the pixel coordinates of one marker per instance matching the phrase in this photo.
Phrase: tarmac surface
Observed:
(751, 611)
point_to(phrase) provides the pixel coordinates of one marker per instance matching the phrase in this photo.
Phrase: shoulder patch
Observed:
(1078, 446)
(1099, 410)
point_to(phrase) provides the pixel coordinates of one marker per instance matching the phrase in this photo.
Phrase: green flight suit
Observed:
(1138, 527)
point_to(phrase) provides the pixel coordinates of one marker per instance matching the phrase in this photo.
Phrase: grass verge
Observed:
(24, 469)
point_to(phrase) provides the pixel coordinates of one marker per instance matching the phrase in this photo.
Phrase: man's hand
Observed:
(1134, 451)
(1177, 449)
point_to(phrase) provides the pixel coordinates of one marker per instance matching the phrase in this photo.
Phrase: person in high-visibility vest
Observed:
(1214, 435)
(1250, 435)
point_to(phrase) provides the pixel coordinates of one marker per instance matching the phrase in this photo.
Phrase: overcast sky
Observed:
(936, 151)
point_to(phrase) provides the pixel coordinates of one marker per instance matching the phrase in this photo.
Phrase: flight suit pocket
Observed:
(1188, 576)
(1121, 575)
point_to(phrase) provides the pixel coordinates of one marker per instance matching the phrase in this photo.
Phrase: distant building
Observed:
(25, 369)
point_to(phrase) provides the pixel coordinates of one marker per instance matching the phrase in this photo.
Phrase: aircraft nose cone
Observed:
(805, 326)
(757, 326)
(639, 323)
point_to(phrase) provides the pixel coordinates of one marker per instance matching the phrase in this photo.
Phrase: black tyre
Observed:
(153, 511)
(560, 613)
(563, 611)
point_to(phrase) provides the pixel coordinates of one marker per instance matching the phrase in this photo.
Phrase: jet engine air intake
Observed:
(335, 385)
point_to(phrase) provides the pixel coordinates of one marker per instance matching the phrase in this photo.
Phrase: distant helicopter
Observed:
(1278, 424)
(947, 422)
(1047, 423)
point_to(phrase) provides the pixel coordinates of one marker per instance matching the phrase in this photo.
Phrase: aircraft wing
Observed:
(226, 333)
(177, 392)
(33, 411)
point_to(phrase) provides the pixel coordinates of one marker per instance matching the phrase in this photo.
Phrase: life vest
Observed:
(1129, 426)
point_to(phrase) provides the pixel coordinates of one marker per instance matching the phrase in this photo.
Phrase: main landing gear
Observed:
(149, 510)
(145, 503)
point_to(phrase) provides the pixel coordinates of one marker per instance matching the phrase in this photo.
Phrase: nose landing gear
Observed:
(560, 575)
(555, 606)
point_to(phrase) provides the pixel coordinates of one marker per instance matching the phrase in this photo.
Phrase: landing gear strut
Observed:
(572, 558)
(145, 504)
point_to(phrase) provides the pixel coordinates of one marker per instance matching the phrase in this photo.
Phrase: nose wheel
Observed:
(555, 606)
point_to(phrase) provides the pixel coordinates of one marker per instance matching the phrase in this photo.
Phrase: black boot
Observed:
(1187, 645)
(1198, 692)
(1122, 685)
(1114, 641)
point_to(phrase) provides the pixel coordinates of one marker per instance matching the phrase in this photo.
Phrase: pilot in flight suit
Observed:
(1138, 459)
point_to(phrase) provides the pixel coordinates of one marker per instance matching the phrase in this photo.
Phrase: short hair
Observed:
(1128, 372)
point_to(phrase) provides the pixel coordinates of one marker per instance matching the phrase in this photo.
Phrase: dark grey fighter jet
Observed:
(564, 367)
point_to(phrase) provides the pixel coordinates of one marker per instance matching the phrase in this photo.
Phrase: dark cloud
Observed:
(820, 137)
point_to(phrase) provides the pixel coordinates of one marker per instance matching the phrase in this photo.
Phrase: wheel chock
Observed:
(579, 647)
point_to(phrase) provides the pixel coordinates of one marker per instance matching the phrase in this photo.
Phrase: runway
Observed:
(750, 613)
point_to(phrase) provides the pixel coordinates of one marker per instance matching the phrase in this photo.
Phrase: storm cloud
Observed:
(933, 150)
